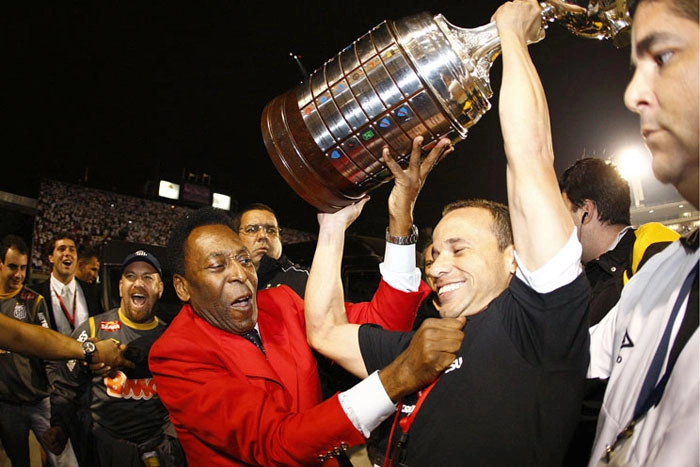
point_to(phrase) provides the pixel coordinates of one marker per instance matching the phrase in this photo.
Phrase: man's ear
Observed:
(161, 287)
(180, 285)
(510, 258)
(589, 212)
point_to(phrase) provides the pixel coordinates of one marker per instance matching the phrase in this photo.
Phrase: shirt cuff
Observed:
(367, 404)
(399, 267)
(562, 269)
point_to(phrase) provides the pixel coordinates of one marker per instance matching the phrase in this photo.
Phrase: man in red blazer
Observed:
(233, 404)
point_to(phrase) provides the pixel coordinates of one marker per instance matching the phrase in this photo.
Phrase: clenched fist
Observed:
(433, 348)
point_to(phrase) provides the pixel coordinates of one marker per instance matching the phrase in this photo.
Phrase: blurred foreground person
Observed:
(648, 345)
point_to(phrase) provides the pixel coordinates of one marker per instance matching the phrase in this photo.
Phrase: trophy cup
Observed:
(417, 76)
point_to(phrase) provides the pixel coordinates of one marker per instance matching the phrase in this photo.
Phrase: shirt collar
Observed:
(58, 285)
(619, 236)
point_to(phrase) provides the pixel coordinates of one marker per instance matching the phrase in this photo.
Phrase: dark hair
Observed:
(61, 236)
(683, 8)
(86, 252)
(251, 207)
(601, 182)
(184, 227)
(501, 218)
(12, 241)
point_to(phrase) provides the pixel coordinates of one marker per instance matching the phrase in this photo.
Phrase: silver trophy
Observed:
(417, 76)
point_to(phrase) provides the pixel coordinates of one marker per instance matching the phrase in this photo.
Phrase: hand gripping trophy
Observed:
(417, 76)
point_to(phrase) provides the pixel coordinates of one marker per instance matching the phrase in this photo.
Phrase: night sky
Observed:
(112, 95)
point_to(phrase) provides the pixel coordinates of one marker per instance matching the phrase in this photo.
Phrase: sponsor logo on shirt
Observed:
(110, 326)
(27, 295)
(121, 387)
(83, 336)
(626, 342)
(455, 365)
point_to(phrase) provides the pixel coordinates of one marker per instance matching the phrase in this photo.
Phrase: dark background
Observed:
(112, 95)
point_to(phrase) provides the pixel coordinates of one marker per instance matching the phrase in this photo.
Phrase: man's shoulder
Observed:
(179, 333)
(29, 294)
(651, 239)
(288, 265)
(87, 287)
(517, 287)
(111, 315)
(279, 293)
(656, 232)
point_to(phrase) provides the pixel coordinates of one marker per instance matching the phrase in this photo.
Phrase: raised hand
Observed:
(342, 218)
(409, 182)
(522, 17)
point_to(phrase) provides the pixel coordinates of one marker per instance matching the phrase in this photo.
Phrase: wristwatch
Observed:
(410, 239)
(89, 350)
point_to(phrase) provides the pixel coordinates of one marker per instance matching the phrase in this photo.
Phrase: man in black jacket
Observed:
(259, 230)
(70, 300)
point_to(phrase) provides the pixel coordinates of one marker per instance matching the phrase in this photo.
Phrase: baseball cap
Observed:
(146, 257)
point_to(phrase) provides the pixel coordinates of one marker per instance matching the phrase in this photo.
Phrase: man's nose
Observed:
(236, 272)
(636, 93)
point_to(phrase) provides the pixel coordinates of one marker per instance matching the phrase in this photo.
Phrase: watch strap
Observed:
(89, 350)
(410, 239)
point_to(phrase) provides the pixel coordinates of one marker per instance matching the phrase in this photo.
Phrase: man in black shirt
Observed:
(513, 393)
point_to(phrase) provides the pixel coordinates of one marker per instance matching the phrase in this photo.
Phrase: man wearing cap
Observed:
(130, 426)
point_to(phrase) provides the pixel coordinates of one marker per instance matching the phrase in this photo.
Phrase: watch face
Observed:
(89, 346)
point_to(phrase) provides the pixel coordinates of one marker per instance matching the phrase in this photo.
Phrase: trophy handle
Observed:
(602, 19)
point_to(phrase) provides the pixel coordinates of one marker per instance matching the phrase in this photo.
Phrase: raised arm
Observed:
(409, 182)
(533, 189)
(327, 327)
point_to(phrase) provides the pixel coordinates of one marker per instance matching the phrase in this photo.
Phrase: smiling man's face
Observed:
(140, 287)
(64, 259)
(469, 269)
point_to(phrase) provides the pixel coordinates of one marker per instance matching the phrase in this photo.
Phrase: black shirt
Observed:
(512, 397)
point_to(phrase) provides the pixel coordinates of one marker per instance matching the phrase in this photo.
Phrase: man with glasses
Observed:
(257, 226)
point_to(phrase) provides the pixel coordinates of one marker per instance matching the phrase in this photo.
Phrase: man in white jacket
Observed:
(651, 417)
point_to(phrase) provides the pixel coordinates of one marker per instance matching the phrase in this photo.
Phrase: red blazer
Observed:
(232, 406)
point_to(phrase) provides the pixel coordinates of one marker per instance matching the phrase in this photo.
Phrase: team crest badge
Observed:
(20, 312)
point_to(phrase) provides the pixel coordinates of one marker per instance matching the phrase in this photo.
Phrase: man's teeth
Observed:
(450, 287)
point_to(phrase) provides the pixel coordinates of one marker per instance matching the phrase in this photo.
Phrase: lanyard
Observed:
(405, 425)
(69, 316)
(651, 391)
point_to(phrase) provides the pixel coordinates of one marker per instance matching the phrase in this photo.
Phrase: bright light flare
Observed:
(633, 163)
